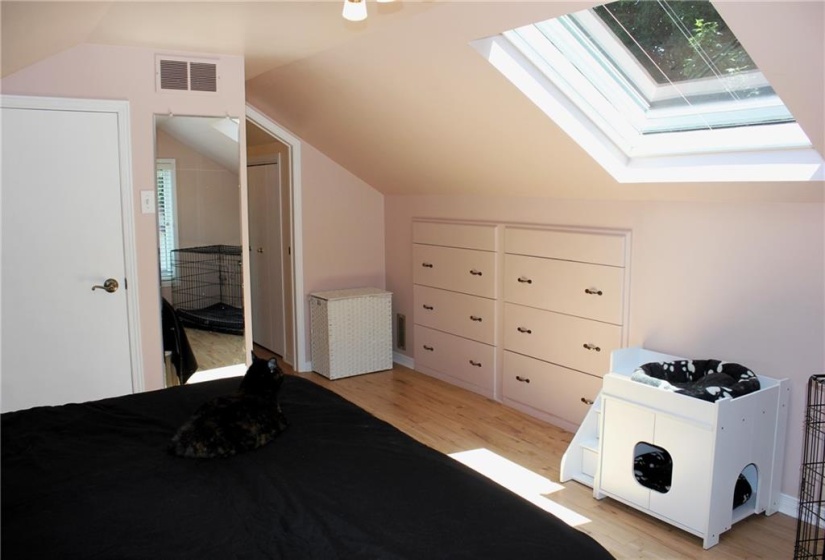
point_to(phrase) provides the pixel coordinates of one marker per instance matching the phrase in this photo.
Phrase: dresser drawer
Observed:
(468, 316)
(552, 389)
(467, 236)
(467, 360)
(461, 270)
(586, 290)
(569, 341)
(597, 248)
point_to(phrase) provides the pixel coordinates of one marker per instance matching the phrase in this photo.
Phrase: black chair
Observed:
(176, 342)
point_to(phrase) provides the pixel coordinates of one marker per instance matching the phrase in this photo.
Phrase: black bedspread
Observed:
(94, 481)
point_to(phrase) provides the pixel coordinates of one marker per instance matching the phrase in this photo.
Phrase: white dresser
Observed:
(455, 276)
(527, 315)
(565, 298)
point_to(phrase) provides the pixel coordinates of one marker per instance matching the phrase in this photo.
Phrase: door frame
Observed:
(121, 111)
(299, 312)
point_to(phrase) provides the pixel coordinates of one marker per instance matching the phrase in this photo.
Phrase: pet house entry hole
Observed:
(652, 467)
(744, 492)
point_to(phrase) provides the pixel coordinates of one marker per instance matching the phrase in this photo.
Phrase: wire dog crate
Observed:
(207, 292)
(810, 528)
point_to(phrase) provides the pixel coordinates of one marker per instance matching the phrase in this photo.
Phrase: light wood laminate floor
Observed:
(215, 350)
(451, 419)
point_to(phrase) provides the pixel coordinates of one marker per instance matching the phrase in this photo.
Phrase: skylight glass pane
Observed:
(659, 66)
(676, 41)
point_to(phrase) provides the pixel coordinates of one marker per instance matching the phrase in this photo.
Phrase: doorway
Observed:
(265, 140)
(267, 251)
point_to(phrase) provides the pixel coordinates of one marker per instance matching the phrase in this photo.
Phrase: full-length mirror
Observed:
(199, 235)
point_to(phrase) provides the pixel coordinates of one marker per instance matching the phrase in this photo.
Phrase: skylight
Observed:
(657, 91)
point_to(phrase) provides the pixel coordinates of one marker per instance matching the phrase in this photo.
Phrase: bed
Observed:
(94, 480)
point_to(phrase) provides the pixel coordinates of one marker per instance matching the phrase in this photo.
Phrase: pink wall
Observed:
(343, 228)
(105, 72)
(742, 282)
(343, 224)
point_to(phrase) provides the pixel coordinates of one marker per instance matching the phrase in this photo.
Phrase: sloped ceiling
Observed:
(402, 101)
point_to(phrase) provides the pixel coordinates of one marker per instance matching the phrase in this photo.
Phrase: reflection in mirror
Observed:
(270, 265)
(199, 236)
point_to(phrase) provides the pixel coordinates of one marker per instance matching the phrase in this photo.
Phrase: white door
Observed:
(62, 234)
(263, 184)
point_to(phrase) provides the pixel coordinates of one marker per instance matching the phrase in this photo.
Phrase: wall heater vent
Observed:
(182, 74)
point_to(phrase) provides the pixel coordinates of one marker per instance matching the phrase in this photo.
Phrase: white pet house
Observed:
(709, 443)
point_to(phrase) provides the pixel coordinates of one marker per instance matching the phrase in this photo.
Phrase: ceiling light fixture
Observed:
(356, 10)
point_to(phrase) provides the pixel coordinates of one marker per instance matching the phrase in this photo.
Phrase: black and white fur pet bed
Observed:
(709, 380)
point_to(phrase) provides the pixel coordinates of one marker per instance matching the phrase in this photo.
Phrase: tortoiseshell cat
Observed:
(232, 424)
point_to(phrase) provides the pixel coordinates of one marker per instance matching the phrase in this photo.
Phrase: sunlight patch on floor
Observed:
(524, 482)
(217, 373)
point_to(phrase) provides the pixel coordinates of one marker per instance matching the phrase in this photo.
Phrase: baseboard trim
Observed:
(789, 505)
(403, 359)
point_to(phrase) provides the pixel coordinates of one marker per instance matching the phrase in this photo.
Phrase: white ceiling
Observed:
(403, 102)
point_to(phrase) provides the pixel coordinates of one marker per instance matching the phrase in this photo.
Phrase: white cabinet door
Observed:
(62, 234)
(624, 425)
(690, 446)
(266, 266)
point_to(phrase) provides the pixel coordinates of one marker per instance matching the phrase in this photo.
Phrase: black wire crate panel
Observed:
(810, 529)
(207, 292)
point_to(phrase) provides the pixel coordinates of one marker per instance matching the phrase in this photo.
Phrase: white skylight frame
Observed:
(587, 44)
(547, 76)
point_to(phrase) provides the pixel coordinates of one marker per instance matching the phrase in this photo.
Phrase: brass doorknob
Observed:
(110, 285)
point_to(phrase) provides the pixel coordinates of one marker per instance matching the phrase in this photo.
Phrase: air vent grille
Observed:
(203, 77)
(178, 74)
(174, 74)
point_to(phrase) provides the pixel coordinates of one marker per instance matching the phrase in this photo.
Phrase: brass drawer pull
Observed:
(524, 280)
(523, 379)
(592, 291)
(474, 363)
(589, 346)
(524, 330)
(475, 318)
(475, 272)
(586, 400)
(428, 348)
(428, 307)
(427, 265)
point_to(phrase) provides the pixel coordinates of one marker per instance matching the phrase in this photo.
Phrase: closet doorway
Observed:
(270, 248)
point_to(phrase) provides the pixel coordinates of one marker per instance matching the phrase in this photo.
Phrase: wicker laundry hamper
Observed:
(351, 331)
